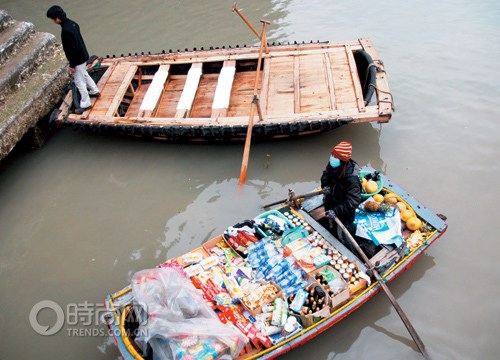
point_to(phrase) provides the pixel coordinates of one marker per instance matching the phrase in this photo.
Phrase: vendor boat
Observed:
(206, 94)
(266, 304)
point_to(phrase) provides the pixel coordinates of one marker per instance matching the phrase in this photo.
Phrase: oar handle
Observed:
(303, 196)
(383, 285)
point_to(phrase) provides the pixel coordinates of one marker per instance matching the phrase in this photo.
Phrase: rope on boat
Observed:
(391, 101)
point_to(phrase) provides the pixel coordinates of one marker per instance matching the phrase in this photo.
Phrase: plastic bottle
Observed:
(282, 267)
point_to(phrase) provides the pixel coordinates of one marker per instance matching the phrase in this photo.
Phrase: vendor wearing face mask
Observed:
(341, 188)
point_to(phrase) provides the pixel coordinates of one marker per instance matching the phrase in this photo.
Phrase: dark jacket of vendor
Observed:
(73, 45)
(345, 195)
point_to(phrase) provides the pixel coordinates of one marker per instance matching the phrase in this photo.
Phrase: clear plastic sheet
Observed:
(176, 322)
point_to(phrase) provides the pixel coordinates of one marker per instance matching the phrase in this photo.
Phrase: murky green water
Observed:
(81, 215)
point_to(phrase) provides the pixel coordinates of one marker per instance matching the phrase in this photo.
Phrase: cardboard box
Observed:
(360, 286)
(258, 310)
(342, 297)
(212, 242)
(310, 319)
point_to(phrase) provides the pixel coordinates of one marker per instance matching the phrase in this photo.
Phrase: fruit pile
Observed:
(385, 202)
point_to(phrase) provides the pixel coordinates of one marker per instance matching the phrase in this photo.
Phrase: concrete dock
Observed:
(33, 76)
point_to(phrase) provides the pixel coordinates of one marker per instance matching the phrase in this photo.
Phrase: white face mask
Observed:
(334, 162)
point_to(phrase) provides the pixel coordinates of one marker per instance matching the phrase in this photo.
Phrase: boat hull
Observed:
(128, 350)
(208, 94)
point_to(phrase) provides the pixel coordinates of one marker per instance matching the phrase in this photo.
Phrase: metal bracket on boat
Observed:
(256, 102)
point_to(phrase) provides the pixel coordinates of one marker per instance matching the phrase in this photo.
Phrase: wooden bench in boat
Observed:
(189, 92)
(155, 90)
(223, 89)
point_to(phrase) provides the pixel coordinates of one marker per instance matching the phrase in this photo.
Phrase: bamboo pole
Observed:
(255, 103)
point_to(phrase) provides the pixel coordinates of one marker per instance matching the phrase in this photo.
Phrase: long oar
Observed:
(235, 9)
(255, 103)
(303, 196)
(384, 287)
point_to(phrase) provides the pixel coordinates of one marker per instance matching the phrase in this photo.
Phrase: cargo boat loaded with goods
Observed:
(207, 94)
(267, 285)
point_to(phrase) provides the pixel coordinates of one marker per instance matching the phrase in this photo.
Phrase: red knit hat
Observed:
(342, 151)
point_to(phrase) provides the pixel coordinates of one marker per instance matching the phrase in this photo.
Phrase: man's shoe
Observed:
(96, 95)
(80, 110)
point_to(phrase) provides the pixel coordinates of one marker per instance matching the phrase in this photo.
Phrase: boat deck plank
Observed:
(264, 86)
(241, 94)
(281, 86)
(330, 82)
(111, 84)
(171, 95)
(314, 94)
(345, 95)
(140, 94)
(202, 104)
(296, 84)
(122, 89)
(108, 92)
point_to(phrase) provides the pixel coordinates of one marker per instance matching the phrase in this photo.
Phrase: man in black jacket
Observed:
(77, 55)
(341, 188)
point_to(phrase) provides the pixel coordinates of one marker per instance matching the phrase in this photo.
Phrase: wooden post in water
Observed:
(254, 105)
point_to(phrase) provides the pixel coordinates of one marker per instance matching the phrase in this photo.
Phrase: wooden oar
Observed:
(384, 287)
(235, 9)
(303, 196)
(255, 103)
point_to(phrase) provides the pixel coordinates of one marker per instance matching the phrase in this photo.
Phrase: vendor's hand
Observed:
(330, 214)
(71, 70)
(326, 190)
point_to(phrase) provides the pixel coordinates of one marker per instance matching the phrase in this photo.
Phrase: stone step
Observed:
(5, 20)
(13, 37)
(33, 99)
(20, 66)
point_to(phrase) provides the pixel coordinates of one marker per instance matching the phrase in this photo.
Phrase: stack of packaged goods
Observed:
(270, 277)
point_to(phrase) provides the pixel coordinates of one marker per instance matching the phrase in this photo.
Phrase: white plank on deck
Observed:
(150, 101)
(189, 92)
(223, 89)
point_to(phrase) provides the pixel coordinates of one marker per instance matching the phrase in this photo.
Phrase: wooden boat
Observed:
(207, 94)
(122, 321)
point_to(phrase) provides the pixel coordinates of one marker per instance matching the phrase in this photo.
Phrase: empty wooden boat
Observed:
(207, 94)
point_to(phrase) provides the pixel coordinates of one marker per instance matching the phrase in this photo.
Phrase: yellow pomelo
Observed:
(407, 214)
(401, 206)
(371, 186)
(414, 223)
(378, 198)
(390, 198)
